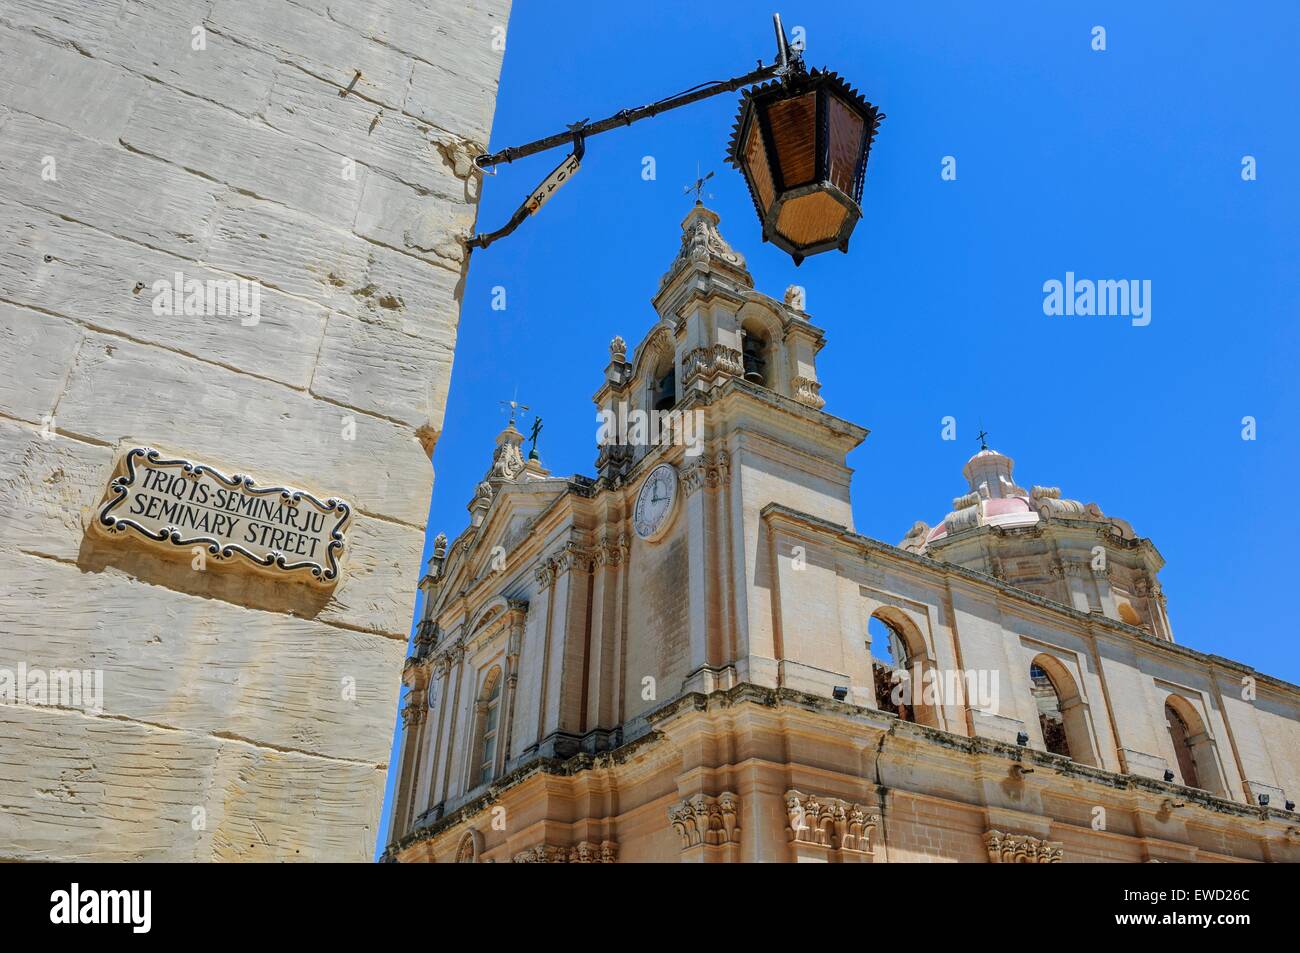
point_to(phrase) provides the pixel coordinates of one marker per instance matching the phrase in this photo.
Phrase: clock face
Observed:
(655, 502)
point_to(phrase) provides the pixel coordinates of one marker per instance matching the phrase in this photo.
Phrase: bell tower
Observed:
(735, 370)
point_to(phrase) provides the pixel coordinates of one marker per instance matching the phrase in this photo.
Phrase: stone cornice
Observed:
(553, 767)
(818, 706)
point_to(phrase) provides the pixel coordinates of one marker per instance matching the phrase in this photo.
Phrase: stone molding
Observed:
(829, 822)
(611, 551)
(570, 556)
(703, 245)
(583, 852)
(704, 820)
(706, 473)
(415, 710)
(712, 361)
(1006, 848)
(545, 573)
(808, 391)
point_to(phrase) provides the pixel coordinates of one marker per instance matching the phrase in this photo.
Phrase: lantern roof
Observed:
(794, 87)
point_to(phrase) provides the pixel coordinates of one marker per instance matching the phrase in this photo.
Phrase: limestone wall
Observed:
(321, 149)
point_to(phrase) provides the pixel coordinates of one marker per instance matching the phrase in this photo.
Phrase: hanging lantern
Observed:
(802, 144)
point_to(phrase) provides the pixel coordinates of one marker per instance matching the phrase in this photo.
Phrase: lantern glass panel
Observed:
(794, 135)
(811, 219)
(846, 144)
(760, 173)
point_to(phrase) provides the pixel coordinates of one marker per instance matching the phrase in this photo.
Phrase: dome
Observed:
(995, 499)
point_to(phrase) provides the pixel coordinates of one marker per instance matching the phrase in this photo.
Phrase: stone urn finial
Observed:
(618, 349)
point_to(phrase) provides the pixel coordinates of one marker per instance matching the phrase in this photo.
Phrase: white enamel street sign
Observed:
(177, 503)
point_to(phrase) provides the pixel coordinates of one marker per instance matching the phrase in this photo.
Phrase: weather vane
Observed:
(514, 406)
(982, 436)
(698, 187)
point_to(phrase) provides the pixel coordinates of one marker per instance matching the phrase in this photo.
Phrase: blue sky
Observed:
(1117, 164)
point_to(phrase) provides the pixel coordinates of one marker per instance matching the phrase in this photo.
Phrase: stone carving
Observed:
(613, 462)
(702, 243)
(570, 556)
(470, 848)
(415, 709)
(508, 463)
(705, 472)
(573, 556)
(795, 297)
(712, 821)
(1050, 506)
(545, 573)
(829, 822)
(618, 349)
(1021, 849)
(1064, 569)
(808, 391)
(711, 361)
(542, 854)
(612, 552)
(584, 852)
(914, 541)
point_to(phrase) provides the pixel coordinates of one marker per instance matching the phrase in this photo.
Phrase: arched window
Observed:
(664, 384)
(899, 669)
(1180, 735)
(753, 353)
(887, 657)
(1050, 718)
(487, 724)
(469, 848)
(1062, 712)
(1128, 614)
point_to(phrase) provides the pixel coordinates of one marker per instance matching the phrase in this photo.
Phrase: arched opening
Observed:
(1062, 712)
(1181, 737)
(753, 354)
(467, 850)
(1050, 719)
(663, 390)
(1129, 615)
(487, 716)
(900, 670)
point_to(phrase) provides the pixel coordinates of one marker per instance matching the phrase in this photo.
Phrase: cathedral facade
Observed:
(693, 657)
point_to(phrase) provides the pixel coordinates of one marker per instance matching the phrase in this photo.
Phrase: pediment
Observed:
(507, 523)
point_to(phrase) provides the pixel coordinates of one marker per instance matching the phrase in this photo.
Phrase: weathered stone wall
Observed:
(224, 139)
